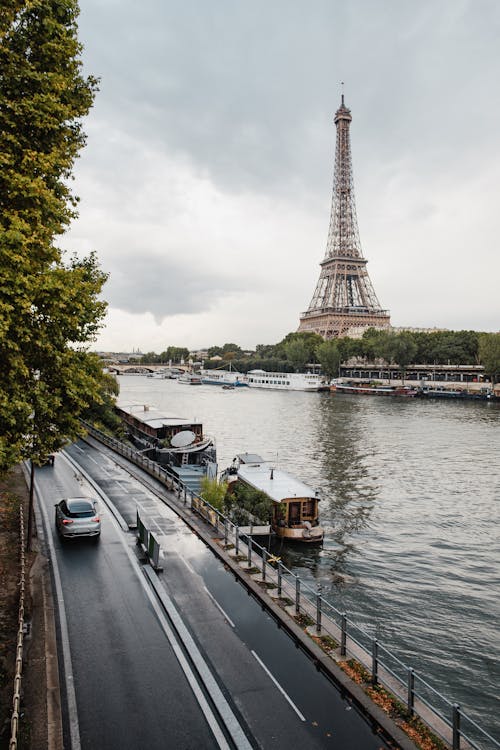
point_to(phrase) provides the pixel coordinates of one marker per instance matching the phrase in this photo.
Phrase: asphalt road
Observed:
(130, 689)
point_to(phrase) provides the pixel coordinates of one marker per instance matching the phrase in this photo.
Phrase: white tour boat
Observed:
(223, 377)
(285, 381)
(189, 378)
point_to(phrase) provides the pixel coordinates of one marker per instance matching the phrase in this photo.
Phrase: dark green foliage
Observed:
(328, 354)
(101, 411)
(489, 353)
(245, 500)
(297, 350)
(49, 309)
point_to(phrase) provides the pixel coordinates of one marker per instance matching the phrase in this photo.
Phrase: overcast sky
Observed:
(206, 181)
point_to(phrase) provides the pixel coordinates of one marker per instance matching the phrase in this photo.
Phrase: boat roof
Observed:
(277, 484)
(295, 375)
(154, 417)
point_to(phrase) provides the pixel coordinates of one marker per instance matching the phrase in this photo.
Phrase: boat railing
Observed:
(346, 640)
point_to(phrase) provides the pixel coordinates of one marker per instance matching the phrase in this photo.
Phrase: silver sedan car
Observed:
(78, 516)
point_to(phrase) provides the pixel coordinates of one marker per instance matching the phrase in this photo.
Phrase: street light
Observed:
(36, 377)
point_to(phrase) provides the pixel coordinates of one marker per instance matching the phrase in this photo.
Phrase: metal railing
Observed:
(382, 667)
(16, 699)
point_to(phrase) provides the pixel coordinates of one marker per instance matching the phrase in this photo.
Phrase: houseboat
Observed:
(285, 381)
(295, 505)
(174, 442)
(373, 389)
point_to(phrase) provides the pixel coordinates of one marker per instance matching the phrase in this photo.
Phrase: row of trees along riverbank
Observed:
(399, 349)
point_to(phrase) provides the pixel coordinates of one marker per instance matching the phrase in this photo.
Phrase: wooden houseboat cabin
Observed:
(155, 427)
(295, 505)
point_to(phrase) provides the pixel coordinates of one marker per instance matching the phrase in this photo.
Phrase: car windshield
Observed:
(81, 510)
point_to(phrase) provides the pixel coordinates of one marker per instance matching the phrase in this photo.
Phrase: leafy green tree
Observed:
(214, 492)
(151, 358)
(246, 500)
(401, 349)
(49, 308)
(328, 355)
(233, 348)
(214, 351)
(489, 353)
(297, 352)
(265, 351)
(177, 353)
(310, 340)
(101, 411)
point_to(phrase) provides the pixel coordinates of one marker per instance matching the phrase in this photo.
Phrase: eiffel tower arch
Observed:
(344, 299)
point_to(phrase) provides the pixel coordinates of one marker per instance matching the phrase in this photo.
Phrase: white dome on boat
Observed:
(182, 439)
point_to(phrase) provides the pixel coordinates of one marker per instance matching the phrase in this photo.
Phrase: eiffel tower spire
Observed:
(344, 298)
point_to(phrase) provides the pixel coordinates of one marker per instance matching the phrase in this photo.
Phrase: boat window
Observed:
(293, 513)
(308, 509)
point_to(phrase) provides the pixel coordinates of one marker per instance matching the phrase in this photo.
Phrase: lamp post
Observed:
(36, 377)
(30, 505)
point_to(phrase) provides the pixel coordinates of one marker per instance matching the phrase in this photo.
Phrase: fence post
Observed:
(456, 727)
(374, 661)
(280, 573)
(264, 553)
(249, 542)
(343, 634)
(236, 540)
(225, 530)
(411, 691)
(184, 494)
(297, 595)
(318, 609)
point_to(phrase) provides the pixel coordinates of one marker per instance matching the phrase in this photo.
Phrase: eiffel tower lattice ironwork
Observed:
(344, 298)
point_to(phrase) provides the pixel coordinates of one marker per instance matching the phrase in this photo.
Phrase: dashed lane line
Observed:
(282, 691)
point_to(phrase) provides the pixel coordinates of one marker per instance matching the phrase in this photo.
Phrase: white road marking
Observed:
(230, 721)
(224, 614)
(285, 694)
(240, 741)
(77, 447)
(188, 566)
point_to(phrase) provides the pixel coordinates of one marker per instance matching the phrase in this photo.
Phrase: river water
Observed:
(410, 506)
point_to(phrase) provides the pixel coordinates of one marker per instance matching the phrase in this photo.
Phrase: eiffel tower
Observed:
(344, 299)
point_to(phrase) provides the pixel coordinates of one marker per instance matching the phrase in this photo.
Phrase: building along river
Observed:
(410, 506)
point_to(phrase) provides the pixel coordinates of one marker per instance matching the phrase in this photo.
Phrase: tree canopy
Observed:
(489, 353)
(50, 308)
(328, 355)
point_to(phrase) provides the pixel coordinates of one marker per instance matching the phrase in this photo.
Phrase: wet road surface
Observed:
(130, 690)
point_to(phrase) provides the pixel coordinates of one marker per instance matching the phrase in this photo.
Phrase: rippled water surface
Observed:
(411, 510)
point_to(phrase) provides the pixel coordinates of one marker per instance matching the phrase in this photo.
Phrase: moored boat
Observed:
(189, 378)
(295, 505)
(373, 389)
(228, 377)
(285, 381)
(484, 394)
(174, 442)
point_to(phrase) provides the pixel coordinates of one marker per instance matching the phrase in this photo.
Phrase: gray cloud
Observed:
(163, 287)
(240, 97)
(248, 89)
